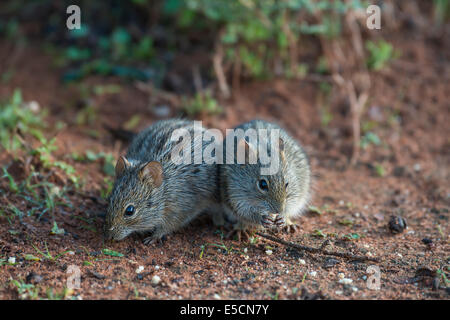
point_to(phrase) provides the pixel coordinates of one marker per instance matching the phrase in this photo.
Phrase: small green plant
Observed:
(202, 103)
(25, 290)
(441, 11)
(380, 53)
(112, 253)
(368, 139)
(12, 183)
(319, 233)
(17, 116)
(379, 170)
(108, 184)
(346, 222)
(107, 158)
(221, 246)
(352, 236)
(47, 255)
(44, 154)
(57, 230)
(315, 209)
(442, 275)
(53, 294)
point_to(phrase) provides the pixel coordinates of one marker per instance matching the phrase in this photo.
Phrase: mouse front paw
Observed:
(273, 221)
(290, 227)
(239, 235)
(240, 231)
(155, 240)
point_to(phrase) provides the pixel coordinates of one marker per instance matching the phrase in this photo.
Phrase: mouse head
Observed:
(248, 187)
(135, 203)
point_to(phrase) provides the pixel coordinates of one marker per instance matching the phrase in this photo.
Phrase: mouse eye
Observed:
(130, 210)
(263, 185)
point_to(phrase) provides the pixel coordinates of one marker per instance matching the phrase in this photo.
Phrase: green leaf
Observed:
(31, 257)
(112, 253)
(56, 230)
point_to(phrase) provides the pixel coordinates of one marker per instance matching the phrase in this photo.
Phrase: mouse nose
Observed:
(108, 232)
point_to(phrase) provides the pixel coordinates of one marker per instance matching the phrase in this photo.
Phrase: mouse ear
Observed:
(250, 152)
(281, 145)
(121, 165)
(281, 148)
(152, 171)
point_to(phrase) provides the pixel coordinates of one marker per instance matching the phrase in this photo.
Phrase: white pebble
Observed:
(245, 250)
(269, 252)
(156, 279)
(33, 106)
(313, 273)
(339, 292)
(302, 261)
(355, 289)
(345, 281)
(216, 296)
(140, 269)
(341, 275)
(157, 267)
(12, 260)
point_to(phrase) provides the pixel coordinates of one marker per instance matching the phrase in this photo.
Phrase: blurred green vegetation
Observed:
(138, 39)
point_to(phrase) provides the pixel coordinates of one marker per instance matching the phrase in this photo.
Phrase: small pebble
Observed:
(313, 273)
(140, 269)
(216, 296)
(157, 267)
(397, 224)
(269, 252)
(341, 275)
(302, 261)
(345, 281)
(339, 292)
(161, 111)
(245, 250)
(33, 106)
(156, 280)
(12, 260)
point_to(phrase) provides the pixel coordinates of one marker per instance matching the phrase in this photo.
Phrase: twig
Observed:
(196, 76)
(220, 74)
(317, 250)
(158, 93)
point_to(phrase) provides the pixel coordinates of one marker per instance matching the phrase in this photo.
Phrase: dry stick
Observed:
(317, 250)
(220, 73)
